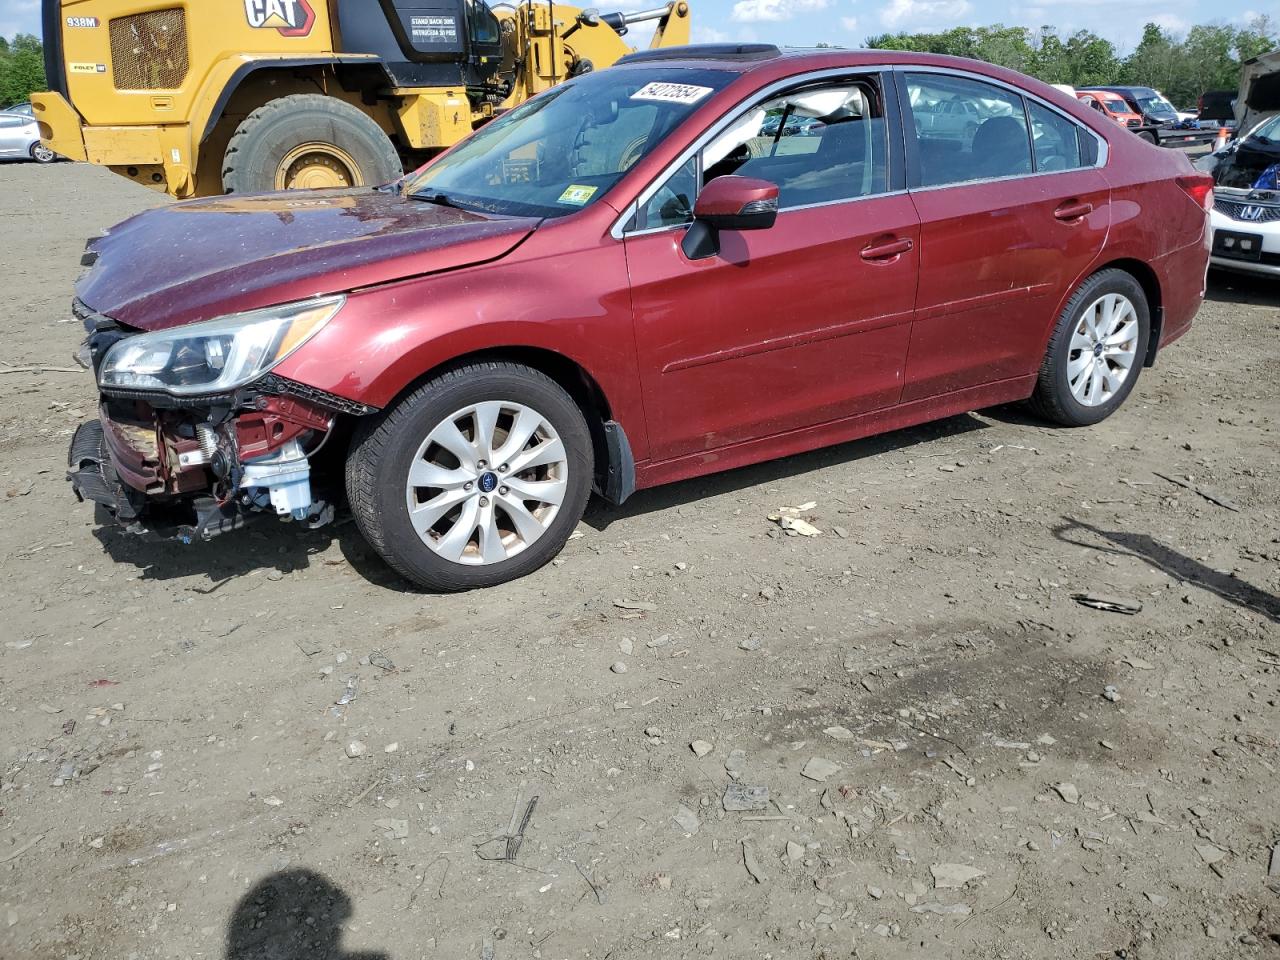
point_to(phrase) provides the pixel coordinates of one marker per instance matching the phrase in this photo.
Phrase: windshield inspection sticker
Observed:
(671, 92)
(576, 194)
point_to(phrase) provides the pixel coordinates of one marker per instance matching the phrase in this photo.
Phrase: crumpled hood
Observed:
(207, 258)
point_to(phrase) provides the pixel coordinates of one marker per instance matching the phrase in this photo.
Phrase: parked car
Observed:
(25, 109)
(1111, 105)
(470, 351)
(1246, 211)
(20, 139)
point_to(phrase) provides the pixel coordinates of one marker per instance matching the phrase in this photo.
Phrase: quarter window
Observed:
(966, 130)
(1056, 140)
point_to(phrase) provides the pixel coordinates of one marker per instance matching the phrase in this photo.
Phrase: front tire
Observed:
(477, 477)
(1095, 352)
(308, 141)
(42, 154)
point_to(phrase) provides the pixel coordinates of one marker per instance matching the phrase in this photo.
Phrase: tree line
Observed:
(1181, 66)
(21, 68)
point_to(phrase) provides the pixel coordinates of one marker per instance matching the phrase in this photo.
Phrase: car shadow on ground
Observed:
(600, 514)
(1122, 543)
(1226, 286)
(292, 915)
(269, 544)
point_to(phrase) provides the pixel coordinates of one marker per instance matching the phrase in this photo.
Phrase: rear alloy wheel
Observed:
(476, 478)
(1096, 351)
(42, 154)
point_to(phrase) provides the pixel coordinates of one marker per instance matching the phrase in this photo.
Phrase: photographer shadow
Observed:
(292, 915)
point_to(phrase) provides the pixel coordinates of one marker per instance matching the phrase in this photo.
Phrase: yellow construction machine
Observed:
(202, 97)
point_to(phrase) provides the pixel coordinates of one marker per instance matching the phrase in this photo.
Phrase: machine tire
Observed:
(1148, 136)
(386, 447)
(269, 135)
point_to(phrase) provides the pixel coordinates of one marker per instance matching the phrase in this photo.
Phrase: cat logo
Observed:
(293, 18)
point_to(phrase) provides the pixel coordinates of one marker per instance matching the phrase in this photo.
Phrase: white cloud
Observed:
(1171, 23)
(705, 34)
(755, 11)
(849, 23)
(931, 14)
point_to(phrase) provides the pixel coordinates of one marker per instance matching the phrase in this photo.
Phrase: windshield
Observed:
(1268, 130)
(1156, 107)
(563, 150)
(1116, 106)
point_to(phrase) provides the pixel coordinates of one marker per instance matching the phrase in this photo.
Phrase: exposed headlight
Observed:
(216, 356)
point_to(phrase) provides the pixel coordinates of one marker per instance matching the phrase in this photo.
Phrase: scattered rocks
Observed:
(734, 763)
(686, 819)
(839, 733)
(701, 748)
(1068, 792)
(740, 798)
(393, 829)
(619, 666)
(794, 851)
(954, 875)
(751, 862)
(356, 749)
(819, 769)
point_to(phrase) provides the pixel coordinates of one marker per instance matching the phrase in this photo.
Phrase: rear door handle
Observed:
(884, 251)
(1073, 211)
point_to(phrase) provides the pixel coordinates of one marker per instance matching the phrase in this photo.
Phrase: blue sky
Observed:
(849, 22)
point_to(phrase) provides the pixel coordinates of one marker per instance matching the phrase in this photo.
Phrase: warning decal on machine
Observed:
(433, 29)
(671, 92)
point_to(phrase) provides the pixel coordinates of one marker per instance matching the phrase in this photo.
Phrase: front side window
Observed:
(987, 139)
(564, 149)
(820, 143)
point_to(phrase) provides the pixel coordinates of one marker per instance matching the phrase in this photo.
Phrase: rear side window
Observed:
(1055, 140)
(966, 130)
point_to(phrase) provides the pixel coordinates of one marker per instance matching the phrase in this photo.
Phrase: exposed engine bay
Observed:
(196, 466)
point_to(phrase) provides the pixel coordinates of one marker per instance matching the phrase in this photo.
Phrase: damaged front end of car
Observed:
(195, 435)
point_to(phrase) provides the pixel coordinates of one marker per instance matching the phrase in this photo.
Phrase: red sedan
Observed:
(695, 260)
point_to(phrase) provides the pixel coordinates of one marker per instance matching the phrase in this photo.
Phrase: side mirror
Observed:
(729, 203)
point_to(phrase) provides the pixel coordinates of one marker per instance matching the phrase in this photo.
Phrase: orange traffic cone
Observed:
(1224, 137)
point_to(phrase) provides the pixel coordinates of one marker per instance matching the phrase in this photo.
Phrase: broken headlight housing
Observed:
(216, 356)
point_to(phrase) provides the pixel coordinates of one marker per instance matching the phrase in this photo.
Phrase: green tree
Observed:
(21, 68)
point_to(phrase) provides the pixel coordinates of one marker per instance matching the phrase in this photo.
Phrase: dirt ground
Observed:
(1008, 773)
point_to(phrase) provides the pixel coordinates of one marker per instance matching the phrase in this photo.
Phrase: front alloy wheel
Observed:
(487, 482)
(475, 478)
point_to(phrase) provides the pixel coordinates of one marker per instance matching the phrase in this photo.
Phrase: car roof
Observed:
(767, 59)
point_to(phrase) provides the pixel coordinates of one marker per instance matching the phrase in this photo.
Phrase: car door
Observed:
(12, 142)
(1009, 217)
(802, 323)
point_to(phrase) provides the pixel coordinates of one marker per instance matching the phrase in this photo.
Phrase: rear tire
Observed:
(1104, 326)
(307, 141)
(478, 517)
(1148, 136)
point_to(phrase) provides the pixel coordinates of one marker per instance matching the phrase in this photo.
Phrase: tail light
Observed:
(1199, 187)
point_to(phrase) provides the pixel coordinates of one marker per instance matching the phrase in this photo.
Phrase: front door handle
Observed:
(887, 250)
(1073, 211)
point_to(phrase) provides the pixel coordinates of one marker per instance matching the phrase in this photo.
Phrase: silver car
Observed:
(20, 139)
